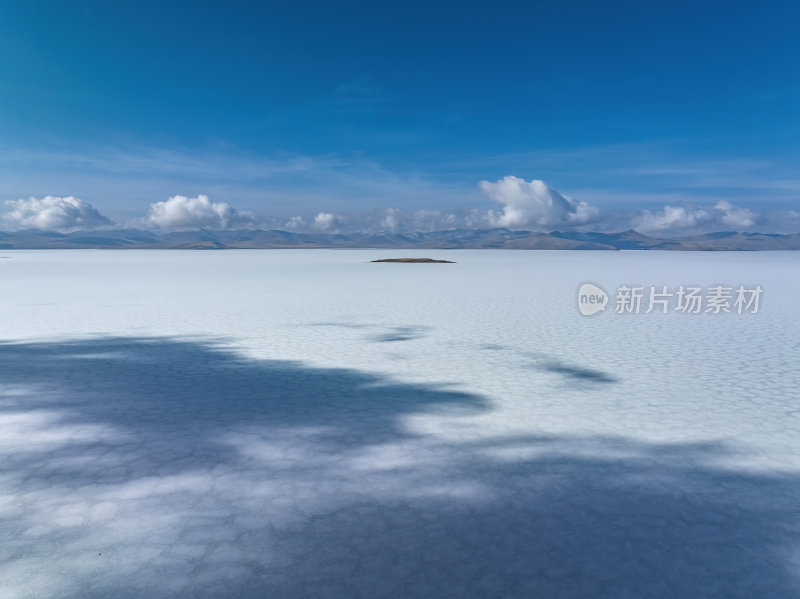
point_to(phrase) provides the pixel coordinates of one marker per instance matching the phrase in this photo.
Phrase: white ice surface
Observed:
(308, 424)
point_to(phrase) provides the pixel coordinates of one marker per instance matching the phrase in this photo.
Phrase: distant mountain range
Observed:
(452, 239)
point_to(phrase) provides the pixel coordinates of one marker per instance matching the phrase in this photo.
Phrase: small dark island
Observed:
(416, 260)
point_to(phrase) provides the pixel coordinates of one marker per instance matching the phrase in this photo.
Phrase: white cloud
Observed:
(391, 220)
(388, 219)
(53, 213)
(295, 223)
(733, 216)
(687, 218)
(325, 221)
(533, 203)
(181, 212)
(671, 217)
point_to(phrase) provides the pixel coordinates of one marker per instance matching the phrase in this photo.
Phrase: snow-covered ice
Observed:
(309, 424)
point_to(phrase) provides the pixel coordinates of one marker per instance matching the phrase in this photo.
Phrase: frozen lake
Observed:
(281, 423)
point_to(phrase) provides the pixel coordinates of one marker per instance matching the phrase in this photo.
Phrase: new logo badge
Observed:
(591, 299)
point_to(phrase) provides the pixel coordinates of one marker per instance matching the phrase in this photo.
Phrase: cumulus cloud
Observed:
(181, 212)
(67, 213)
(533, 203)
(687, 218)
(325, 221)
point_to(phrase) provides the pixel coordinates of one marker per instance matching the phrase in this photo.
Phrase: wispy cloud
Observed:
(690, 218)
(603, 188)
(275, 185)
(529, 205)
(632, 175)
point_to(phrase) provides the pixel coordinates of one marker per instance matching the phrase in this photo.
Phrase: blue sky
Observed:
(282, 110)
